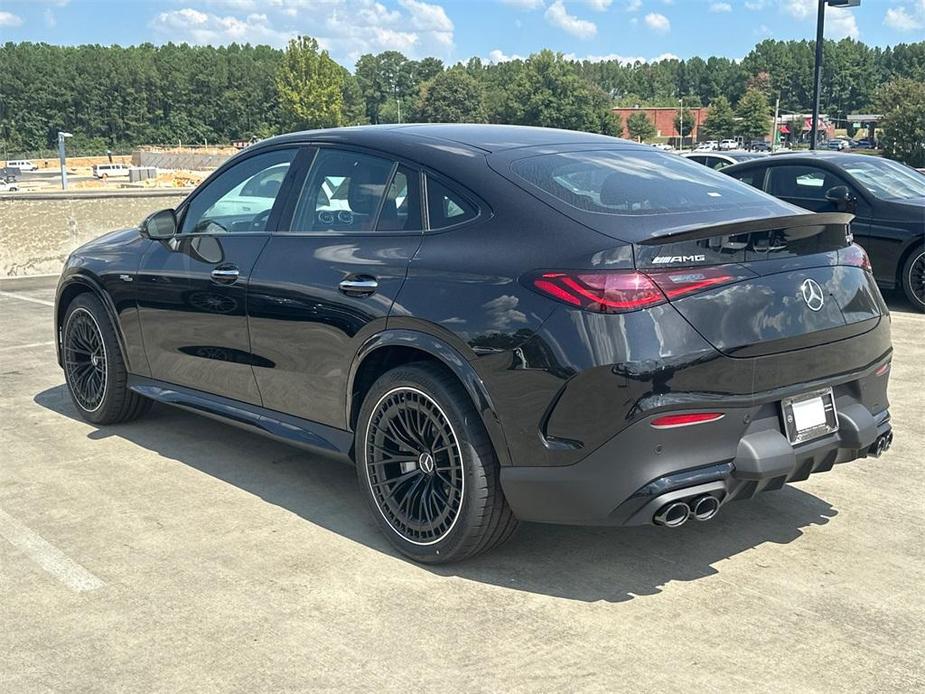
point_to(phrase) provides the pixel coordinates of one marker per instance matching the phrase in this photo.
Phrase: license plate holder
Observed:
(809, 416)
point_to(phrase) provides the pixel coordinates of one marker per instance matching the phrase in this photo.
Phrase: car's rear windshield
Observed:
(630, 182)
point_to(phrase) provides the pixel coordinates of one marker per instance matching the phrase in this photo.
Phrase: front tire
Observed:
(427, 468)
(914, 278)
(94, 367)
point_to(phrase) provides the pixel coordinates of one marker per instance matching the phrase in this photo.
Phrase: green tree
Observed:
(310, 86)
(451, 97)
(902, 128)
(640, 127)
(720, 122)
(549, 91)
(754, 114)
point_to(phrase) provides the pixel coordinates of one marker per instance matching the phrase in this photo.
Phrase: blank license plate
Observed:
(810, 415)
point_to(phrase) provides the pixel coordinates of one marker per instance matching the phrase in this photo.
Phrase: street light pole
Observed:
(817, 69)
(681, 117)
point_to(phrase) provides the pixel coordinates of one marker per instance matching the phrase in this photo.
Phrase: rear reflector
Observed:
(882, 370)
(621, 291)
(672, 421)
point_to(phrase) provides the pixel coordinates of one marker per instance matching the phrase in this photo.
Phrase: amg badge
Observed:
(669, 259)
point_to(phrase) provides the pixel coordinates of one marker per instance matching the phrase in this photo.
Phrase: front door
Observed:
(192, 288)
(324, 286)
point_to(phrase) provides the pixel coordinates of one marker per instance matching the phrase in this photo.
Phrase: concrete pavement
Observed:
(227, 562)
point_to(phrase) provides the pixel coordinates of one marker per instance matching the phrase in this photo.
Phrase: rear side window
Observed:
(446, 207)
(401, 210)
(806, 182)
(629, 182)
(342, 192)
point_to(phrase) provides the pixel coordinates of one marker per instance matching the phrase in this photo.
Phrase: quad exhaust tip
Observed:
(704, 507)
(673, 515)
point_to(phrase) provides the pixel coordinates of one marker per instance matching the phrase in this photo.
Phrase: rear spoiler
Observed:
(748, 226)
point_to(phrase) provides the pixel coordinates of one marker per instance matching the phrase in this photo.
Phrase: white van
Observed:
(22, 165)
(107, 170)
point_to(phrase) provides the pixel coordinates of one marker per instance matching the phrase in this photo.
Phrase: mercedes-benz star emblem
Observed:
(812, 294)
(426, 462)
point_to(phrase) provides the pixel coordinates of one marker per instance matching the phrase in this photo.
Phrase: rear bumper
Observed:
(625, 481)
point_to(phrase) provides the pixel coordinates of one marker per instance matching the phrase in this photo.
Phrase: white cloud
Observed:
(49, 16)
(754, 5)
(498, 56)
(599, 5)
(720, 7)
(839, 22)
(633, 5)
(427, 17)
(234, 4)
(906, 18)
(658, 23)
(524, 4)
(198, 27)
(8, 19)
(622, 59)
(558, 16)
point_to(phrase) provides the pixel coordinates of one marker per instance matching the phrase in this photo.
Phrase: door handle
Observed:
(225, 275)
(359, 286)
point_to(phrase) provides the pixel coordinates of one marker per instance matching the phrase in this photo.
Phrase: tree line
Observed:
(119, 97)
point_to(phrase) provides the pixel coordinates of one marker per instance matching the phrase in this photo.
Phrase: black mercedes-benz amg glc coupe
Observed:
(493, 323)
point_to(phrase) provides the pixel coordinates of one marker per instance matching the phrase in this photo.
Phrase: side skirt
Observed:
(312, 436)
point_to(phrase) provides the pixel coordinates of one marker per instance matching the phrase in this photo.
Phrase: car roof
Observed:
(489, 138)
(818, 156)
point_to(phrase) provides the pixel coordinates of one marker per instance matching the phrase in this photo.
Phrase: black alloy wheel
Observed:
(427, 467)
(94, 367)
(85, 360)
(914, 278)
(414, 466)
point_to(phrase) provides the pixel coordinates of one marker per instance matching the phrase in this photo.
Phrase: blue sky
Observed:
(455, 29)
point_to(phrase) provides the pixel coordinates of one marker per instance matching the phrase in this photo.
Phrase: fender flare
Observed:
(451, 358)
(97, 290)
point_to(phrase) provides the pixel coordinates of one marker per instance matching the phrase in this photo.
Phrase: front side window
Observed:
(630, 182)
(241, 198)
(343, 192)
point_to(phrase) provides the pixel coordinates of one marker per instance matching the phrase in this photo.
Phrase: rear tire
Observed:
(427, 468)
(913, 278)
(94, 367)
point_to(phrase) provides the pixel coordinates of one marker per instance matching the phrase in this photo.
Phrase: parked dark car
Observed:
(887, 199)
(863, 143)
(495, 323)
(759, 146)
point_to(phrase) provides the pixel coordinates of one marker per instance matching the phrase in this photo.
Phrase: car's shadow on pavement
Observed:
(588, 564)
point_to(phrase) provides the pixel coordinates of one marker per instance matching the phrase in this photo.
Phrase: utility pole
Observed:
(61, 136)
(775, 131)
(681, 117)
(817, 69)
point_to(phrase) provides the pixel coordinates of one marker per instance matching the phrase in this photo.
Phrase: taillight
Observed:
(621, 291)
(602, 292)
(684, 281)
(671, 421)
(855, 255)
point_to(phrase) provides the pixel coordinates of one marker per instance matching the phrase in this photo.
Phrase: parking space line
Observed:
(11, 295)
(33, 344)
(46, 555)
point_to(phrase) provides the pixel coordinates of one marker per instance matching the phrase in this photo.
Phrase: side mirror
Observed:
(841, 197)
(160, 225)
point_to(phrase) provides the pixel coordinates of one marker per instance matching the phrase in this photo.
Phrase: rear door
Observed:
(327, 281)
(191, 289)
